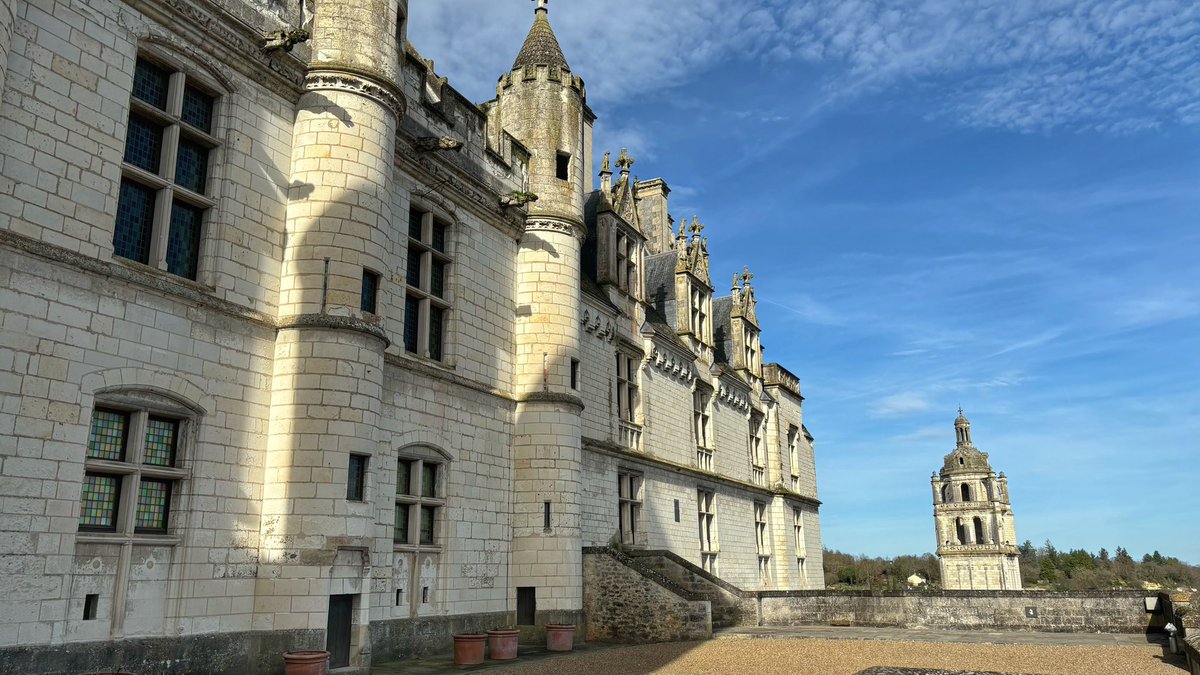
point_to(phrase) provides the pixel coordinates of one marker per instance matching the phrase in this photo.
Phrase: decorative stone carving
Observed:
(561, 226)
(434, 143)
(340, 80)
(673, 365)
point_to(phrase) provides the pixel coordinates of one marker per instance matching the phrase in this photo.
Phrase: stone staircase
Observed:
(731, 606)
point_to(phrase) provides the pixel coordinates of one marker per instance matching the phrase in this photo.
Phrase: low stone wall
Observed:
(1103, 612)
(1191, 648)
(623, 603)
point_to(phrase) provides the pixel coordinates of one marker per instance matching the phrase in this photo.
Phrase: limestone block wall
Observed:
(667, 403)
(1105, 612)
(980, 572)
(597, 355)
(6, 28)
(77, 332)
(64, 115)
(731, 428)
(622, 604)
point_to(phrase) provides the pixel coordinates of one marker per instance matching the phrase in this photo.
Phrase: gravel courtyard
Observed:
(849, 657)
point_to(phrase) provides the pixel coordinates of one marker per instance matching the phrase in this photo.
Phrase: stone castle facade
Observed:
(976, 539)
(300, 348)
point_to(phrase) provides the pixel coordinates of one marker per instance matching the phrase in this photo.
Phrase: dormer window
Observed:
(753, 351)
(627, 257)
(699, 313)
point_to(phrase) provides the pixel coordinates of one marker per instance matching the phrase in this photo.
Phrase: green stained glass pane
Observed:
(161, 435)
(100, 496)
(427, 520)
(107, 437)
(400, 531)
(154, 499)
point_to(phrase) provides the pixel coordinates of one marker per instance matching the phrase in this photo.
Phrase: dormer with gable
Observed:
(693, 290)
(746, 354)
(616, 234)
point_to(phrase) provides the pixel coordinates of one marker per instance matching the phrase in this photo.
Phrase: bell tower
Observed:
(974, 521)
(541, 103)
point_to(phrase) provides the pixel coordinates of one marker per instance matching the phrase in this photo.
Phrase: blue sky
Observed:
(944, 202)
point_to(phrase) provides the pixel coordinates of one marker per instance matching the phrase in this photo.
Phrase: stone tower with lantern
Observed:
(974, 520)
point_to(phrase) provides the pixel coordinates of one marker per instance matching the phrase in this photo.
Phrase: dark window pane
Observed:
(135, 215)
(429, 480)
(356, 478)
(400, 529)
(370, 292)
(161, 436)
(191, 165)
(143, 143)
(437, 316)
(183, 247)
(414, 223)
(197, 109)
(100, 497)
(412, 276)
(404, 477)
(437, 279)
(412, 307)
(150, 84)
(107, 437)
(427, 520)
(154, 502)
(439, 236)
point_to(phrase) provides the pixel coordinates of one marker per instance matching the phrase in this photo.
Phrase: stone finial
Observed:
(604, 164)
(625, 162)
(696, 227)
(736, 286)
(746, 277)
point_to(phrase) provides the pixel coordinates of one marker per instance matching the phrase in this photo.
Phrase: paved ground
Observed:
(824, 650)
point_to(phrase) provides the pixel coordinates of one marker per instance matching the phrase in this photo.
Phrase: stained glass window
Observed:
(356, 478)
(135, 216)
(427, 521)
(412, 311)
(100, 496)
(191, 165)
(369, 300)
(160, 441)
(426, 307)
(417, 501)
(107, 437)
(150, 84)
(428, 480)
(404, 469)
(183, 248)
(154, 499)
(400, 531)
(143, 143)
(197, 109)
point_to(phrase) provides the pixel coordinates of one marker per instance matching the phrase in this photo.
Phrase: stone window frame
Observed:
(182, 78)
(418, 334)
(762, 539)
(628, 387)
(758, 460)
(700, 312)
(706, 511)
(793, 441)
(628, 256)
(798, 531)
(416, 502)
(630, 507)
(140, 408)
(702, 425)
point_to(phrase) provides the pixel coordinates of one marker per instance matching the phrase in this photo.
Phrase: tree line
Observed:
(1043, 567)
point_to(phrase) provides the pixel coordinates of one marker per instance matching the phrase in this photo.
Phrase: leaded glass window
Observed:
(427, 277)
(132, 450)
(420, 497)
(164, 181)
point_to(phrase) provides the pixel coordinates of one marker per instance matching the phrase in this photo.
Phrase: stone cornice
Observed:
(604, 447)
(336, 77)
(410, 364)
(550, 397)
(332, 322)
(671, 363)
(235, 43)
(551, 224)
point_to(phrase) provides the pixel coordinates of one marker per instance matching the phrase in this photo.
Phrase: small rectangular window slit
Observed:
(425, 595)
(91, 603)
(575, 373)
(546, 515)
(399, 596)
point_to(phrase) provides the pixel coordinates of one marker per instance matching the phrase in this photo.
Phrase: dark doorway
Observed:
(526, 606)
(337, 641)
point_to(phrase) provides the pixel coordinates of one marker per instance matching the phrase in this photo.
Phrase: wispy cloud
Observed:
(1115, 66)
(905, 403)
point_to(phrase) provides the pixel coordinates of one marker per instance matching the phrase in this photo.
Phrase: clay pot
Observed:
(468, 648)
(502, 644)
(560, 637)
(305, 662)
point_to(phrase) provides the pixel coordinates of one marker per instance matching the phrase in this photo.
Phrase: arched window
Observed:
(979, 538)
(945, 494)
(961, 531)
(966, 492)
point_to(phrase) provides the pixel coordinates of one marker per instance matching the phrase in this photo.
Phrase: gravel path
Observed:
(848, 657)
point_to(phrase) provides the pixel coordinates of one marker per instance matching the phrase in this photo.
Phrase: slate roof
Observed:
(541, 46)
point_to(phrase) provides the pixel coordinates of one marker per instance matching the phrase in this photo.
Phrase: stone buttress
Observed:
(542, 104)
(316, 532)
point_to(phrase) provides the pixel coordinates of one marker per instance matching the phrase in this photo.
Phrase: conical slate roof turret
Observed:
(541, 47)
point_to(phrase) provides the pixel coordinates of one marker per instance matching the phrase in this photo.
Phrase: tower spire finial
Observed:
(541, 6)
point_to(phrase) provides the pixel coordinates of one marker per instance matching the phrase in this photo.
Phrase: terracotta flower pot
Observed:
(468, 648)
(305, 662)
(502, 644)
(560, 637)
